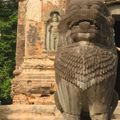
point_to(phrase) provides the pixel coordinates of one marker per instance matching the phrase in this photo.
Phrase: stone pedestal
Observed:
(36, 83)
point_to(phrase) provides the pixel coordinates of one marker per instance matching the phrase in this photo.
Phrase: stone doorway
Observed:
(117, 41)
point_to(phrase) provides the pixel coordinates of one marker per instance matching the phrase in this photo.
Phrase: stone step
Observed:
(36, 112)
(27, 117)
(37, 109)
(27, 112)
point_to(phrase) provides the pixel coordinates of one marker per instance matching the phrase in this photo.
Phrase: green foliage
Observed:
(5, 91)
(8, 25)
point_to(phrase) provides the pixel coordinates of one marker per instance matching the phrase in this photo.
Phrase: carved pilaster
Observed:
(20, 44)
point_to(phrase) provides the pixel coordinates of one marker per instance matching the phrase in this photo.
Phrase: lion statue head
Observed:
(87, 21)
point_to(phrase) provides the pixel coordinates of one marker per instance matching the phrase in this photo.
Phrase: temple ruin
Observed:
(37, 37)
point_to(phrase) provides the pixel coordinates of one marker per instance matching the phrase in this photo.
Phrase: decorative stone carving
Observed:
(33, 40)
(52, 32)
(86, 62)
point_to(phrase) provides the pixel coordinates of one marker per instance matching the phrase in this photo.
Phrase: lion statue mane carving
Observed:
(86, 62)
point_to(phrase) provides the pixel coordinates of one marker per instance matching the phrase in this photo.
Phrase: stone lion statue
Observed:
(86, 62)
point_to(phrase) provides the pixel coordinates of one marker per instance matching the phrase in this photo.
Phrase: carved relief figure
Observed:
(33, 42)
(33, 35)
(52, 32)
(86, 62)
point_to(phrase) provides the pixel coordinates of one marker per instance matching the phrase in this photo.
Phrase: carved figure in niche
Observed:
(52, 32)
(86, 62)
(33, 35)
(33, 42)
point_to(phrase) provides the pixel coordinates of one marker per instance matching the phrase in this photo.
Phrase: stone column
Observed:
(20, 44)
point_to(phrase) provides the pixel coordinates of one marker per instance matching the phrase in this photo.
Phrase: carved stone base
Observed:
(36, 82)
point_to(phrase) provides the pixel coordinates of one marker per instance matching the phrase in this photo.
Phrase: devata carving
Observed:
(52, 32)
(86, 62)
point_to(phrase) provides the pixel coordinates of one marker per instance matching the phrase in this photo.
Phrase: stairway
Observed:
(37, 112)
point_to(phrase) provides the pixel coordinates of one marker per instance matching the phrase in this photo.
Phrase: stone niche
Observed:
(34, 81)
